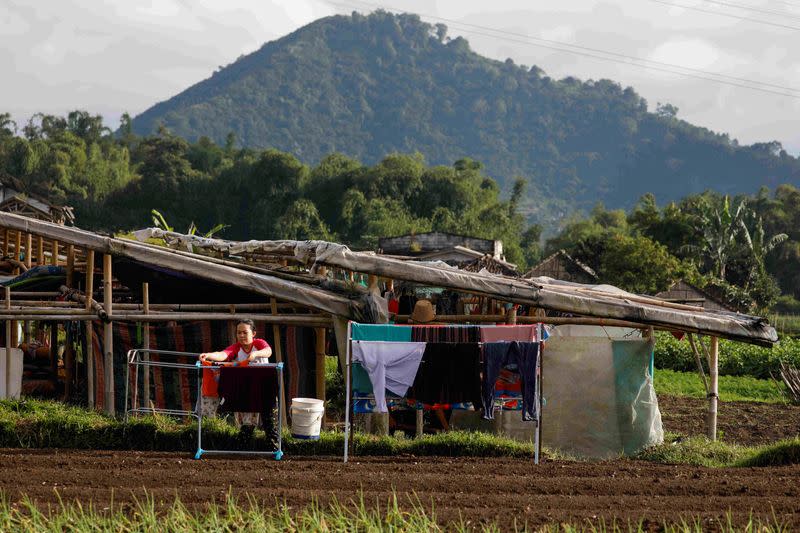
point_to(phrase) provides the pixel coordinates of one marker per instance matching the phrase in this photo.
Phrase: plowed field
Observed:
(501, 490)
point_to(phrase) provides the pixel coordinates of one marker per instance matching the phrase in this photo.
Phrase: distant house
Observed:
(683, 292)
(13, 200)
(491, 265)
(448, 246)
(564, 267)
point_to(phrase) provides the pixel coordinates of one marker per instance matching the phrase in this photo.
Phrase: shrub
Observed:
(735, 358)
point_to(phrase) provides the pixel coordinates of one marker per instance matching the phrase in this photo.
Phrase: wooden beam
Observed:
(39, 250)
(108, 339)
(320, 362)
(89, 291)
(146, 346)
(70, 265)
(276, 335)
(7, 355)
(28, 250)
(54, 258)
(713, 394)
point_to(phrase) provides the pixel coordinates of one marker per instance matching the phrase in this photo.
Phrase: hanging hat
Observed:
(423, 312)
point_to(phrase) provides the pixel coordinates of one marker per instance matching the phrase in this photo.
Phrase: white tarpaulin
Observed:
(599, 395)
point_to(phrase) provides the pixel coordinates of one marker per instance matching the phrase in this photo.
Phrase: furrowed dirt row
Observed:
(477, 490)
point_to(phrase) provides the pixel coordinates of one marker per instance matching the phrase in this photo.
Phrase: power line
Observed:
(755, 9)
(758, 21)
(593, 53)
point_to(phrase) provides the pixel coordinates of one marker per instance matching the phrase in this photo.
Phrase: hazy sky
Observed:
(111, 57)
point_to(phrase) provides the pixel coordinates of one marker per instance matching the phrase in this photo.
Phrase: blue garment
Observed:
(497, 355)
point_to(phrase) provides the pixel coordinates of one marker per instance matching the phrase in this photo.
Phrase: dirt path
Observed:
(502, 490)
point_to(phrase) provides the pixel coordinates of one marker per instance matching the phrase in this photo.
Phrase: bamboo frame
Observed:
(146, 345)
(89, 291)
(7, 355)
(713, 394)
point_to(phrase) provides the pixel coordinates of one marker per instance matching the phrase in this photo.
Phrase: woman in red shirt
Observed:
(247, 350)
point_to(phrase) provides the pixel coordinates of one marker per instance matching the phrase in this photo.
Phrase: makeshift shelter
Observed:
(304, 283)
(683, 292)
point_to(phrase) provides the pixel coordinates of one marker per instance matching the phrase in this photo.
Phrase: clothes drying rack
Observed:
(350, 397)
(136, 360)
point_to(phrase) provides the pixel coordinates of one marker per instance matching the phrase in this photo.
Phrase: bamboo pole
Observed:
(54, 259)
(108, 339)
(89, 290)
(7, 355)
(69, 351)
(699, 362)
(713, 395)
(6, 234)
(39, 250)
(70, 265)
(511, 315)
(54, 353)
(320, 360)
(17, 246)
(146, 345)
(28, 250)
(276, 335)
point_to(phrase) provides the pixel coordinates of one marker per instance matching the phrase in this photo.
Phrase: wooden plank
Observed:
(108, 339)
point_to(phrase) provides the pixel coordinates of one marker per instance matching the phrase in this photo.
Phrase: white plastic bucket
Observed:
(307, 414)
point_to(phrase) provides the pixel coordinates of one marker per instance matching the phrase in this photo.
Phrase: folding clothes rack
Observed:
(349, 392)
(136, 360)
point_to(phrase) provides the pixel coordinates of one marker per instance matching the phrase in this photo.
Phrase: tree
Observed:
(719, 225)
(639, 265)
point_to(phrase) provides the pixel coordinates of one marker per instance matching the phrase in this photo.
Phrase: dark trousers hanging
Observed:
(448, 373)
(497, 355)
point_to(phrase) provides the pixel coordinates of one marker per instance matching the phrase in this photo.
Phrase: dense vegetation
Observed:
(746, 248)
(367, 86)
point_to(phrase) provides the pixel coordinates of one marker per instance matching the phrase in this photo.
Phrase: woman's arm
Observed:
(214, 356)
(264, 353)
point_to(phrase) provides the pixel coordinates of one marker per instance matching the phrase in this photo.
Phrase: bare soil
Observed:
(506, 491)
(478, 490)
(747, 423)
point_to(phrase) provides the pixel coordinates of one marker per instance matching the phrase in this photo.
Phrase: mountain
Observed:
(367, 86)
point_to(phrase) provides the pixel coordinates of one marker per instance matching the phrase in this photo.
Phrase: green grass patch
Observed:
(45, 424)
(731, 388)
(700, 451)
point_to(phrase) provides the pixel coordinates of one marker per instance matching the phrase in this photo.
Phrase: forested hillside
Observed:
(368, 86)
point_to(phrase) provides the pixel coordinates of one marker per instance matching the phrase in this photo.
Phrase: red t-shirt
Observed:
(237, 355)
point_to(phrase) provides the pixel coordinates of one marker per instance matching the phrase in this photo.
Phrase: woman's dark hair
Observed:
(248, 322)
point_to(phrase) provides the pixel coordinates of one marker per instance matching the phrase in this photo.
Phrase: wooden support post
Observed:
(108, 339)
(511, 315)
(54, 353)
(70, 265)
(372, 283)
(713, 394)
(420, 425)
(7, 355)
(39, 250)
(28, 250)
(320, 367)
(5, 241)
(69, 349)
(54, 259)
(17, 246)
(276, 334)
(146, 345)
(89, 290)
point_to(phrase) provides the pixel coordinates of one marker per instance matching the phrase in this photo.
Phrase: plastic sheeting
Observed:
(598, 392)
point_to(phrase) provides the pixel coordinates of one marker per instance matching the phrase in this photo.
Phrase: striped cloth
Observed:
(462, 334)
